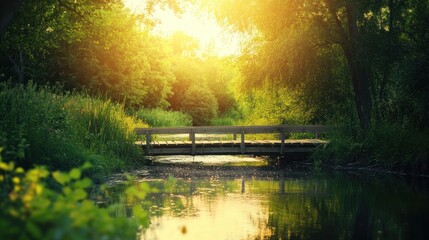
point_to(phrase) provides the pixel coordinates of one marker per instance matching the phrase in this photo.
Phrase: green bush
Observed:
(201, 104)
(162, 118)
(41, 125)
(31, 209)
(230, 118)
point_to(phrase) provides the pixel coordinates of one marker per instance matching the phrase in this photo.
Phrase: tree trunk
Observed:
(359, 71)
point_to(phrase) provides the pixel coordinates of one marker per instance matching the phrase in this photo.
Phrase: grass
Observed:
(230, 118)
(163, 118)
(43, 126)
(389, 146)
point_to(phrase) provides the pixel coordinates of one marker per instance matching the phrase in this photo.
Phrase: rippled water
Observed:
(246, 198)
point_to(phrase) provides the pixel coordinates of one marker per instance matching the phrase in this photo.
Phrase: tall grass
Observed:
(104, 128)
(390, 146)
(40, 125)
(231, 118)
(163, 118)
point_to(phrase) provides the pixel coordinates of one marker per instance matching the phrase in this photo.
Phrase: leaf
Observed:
(60, 177)
(75, 173)
(79, 194)
(84, 183)
(67, 191)
(7, 167)
(86, 165)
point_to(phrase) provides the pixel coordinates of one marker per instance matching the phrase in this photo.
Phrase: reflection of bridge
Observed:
(223, 140)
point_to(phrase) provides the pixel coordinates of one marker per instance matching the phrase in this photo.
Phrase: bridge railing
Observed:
(281, 130)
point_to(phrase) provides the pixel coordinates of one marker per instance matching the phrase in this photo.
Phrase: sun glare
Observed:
(212, 37)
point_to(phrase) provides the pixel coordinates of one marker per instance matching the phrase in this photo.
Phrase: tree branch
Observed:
(72, 9)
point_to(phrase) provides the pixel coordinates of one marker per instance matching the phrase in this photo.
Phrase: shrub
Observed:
(230, 118)
(163, 118)
(201, 104)
(31, 209)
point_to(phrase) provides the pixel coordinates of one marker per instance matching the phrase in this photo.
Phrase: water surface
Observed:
(247, 198)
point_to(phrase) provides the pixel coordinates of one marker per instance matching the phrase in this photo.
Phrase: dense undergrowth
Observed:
(41, 204)
(42, 126)
(387, 146)
(163, 118)
(52, 147)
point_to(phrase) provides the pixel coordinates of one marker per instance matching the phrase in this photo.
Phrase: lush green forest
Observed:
(76, 78)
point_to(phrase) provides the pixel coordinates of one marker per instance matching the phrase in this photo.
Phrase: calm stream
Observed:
(246, 198)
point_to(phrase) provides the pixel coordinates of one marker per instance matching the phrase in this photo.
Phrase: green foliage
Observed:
(392, 146)
(222, 121)
(162, 118)
(103, 128)
(231, 118)
(99, 46)
(43, 126)
(30, 115)
(218, 74)
(200, 103)
(271, 105)
(31, 209)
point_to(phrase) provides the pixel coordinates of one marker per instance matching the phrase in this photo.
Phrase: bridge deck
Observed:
(196, 146)
(256, 147)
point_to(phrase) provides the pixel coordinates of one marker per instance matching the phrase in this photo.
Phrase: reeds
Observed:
(163, 118)
(42, 125)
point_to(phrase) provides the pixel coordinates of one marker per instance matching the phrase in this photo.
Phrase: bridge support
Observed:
(242, 144)
(192, 138)
(148, 140)
(282, 144)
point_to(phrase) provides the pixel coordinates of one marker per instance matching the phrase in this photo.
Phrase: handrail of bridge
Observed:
(282, 130)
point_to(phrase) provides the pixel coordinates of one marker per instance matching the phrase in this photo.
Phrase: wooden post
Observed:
(282, 145)
(194, 147)
(235, 136)
(242, 145)
(148, 141)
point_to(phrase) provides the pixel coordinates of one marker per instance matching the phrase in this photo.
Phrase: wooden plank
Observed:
(251, 142)
(235, 129)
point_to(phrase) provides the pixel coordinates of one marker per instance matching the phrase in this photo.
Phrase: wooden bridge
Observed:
(222, 140)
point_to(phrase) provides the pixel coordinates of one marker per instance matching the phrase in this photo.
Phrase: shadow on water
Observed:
(216, 198)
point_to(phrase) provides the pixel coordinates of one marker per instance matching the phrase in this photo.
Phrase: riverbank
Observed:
(245, 167)
(388, 147)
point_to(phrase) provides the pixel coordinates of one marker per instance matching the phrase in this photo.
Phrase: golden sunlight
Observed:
(212, 37)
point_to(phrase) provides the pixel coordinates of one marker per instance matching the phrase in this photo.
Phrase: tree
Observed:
(200, 103)
(96, 45)
(300, 29)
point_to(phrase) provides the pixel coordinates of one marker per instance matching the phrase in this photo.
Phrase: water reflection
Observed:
(275, 204)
